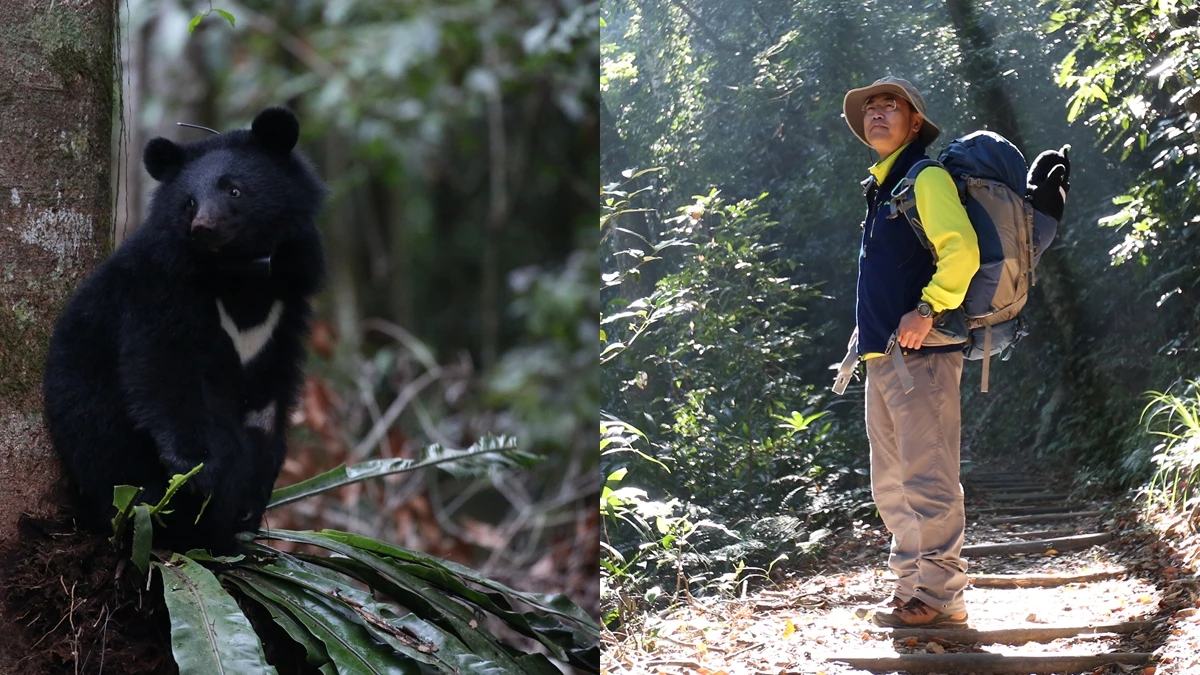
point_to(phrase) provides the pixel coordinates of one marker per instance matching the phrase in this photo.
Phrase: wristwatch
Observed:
(925, 310)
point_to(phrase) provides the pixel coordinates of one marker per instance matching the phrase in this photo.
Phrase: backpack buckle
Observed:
(901, 198)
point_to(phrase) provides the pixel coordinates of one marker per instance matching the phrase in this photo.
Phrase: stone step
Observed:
(1039, 546)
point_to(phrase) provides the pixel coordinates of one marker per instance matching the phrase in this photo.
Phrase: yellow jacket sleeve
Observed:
(949, 230)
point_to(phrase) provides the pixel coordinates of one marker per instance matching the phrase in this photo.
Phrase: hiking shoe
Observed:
(917, 614)
(893, 602)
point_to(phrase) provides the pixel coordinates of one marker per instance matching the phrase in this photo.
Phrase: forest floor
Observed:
(1031, 608)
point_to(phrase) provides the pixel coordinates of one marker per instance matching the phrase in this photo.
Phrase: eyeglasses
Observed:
(885, 105)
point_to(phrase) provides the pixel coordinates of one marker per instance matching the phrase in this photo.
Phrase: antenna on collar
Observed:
(197, 126)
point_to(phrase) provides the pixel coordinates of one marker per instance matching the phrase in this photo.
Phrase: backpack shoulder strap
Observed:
(904, 199)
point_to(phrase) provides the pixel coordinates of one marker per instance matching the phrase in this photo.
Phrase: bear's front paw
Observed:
(178, 466)
(204, 482)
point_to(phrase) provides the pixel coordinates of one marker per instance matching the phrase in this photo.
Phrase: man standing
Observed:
(913, 417)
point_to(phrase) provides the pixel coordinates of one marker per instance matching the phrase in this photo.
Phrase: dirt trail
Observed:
(1055, 588)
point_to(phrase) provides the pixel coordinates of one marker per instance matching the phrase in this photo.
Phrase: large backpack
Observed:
(990, 174)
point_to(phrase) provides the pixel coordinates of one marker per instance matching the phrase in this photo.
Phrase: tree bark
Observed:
(56, 103)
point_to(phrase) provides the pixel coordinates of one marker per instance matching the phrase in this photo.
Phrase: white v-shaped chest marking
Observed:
(250, 342)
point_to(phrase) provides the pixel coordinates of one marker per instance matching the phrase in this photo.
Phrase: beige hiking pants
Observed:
(914, 474)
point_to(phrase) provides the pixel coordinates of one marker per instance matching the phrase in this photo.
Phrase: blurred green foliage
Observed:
(549, 384)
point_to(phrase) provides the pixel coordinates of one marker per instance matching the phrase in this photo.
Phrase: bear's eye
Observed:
(191, 203)
(234, 192)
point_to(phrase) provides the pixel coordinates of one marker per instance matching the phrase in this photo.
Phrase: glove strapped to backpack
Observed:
(1050, 181)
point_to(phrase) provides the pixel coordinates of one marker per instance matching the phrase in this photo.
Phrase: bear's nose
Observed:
(204, 232)
(203, 224)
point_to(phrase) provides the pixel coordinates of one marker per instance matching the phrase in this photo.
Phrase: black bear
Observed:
(186, 345)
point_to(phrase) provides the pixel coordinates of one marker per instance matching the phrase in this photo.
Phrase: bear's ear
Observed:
(277, 129)
(162, 158)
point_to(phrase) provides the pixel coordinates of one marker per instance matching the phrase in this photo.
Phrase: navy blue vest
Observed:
(893, 266)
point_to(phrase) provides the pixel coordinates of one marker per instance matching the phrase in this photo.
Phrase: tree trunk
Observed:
(614, 156)
(339, 244)
(56, 103)
(172, 77)
(406, 215)
(982, 71)
(130, 183)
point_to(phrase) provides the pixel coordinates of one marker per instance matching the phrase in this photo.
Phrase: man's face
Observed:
(889, 122)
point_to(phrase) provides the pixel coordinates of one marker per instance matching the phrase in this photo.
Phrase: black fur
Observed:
(141, 379)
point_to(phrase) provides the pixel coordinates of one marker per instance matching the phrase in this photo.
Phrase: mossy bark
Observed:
(56, 102)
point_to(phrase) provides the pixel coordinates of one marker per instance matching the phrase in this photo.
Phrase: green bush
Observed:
(709, 431)
(1175, 418)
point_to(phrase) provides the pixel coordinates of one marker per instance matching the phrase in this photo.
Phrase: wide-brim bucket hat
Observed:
(855, 98)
